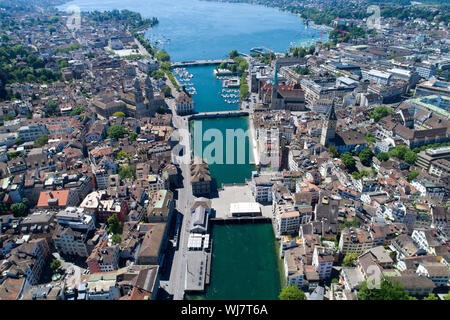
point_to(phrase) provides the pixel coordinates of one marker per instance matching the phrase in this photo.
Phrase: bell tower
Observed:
(138, 96)
(329, 127)
(274, 92)
(149, 89)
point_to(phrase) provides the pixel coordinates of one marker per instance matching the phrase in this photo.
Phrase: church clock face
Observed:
(331, 125)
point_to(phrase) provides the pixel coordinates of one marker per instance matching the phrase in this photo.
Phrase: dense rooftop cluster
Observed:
(360, 135)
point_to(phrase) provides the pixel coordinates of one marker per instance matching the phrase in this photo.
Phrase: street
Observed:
(176, 283)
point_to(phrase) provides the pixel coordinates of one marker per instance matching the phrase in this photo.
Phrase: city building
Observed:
(200, 179)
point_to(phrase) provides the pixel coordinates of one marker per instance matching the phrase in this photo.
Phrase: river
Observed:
(244, 264)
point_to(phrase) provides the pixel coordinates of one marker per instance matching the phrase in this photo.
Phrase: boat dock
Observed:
(200, 62)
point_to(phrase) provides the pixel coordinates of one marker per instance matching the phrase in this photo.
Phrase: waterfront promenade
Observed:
(176, 284)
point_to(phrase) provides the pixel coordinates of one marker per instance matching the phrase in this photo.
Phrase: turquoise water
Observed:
(193, 29)
(225, 173)
(244, 264)
(208, 88)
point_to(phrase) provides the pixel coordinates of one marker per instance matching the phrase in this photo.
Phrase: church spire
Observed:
(149, 88)
(275, 76)
(331, 115)
(329, 127)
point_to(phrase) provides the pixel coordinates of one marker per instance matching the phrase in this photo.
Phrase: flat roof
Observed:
(244, 207)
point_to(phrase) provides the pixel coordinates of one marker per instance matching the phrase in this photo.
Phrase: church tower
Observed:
(138, 96)
(329, 127)
(149, 89)
(141, 107)
(274, 93)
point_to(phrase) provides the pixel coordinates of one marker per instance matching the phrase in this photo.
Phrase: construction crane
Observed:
(343, 34)
(342, 41)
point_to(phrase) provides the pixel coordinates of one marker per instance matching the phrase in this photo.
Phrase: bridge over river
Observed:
(218, 114)
(200, 62)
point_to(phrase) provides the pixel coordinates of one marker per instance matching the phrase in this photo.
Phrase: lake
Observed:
(193, 29)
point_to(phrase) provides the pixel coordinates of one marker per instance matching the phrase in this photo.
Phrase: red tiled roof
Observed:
(61, 195)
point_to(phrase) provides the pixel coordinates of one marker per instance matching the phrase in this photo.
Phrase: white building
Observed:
(103, 287)
(379, 77)
(436, 271)
(147, 64)
(261, 187)
(70, 242)
(424, 239)
(323, 261)
(76, 218)
(289, 222)
(240, 209)
(354, 240)
(294, 268)
(184, 104)
(31, 132)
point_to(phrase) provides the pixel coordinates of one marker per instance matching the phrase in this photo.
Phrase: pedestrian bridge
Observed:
(200, 62)
(218, 114)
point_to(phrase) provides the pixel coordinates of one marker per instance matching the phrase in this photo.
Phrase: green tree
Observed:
(165, 65)
(399, 152)
(162, 56)
(116, 131)
(132, 136)
(380, 112)
(349, 161)
(358, 175)
(114, 225)
(119, 114)
(350, 259)
(167, 92)
(387, 290)
(51, 108)
(41, 140)
(410, 157)
(77, 111)
(55, 264)
(412, 175)
(8, 117)
(157, 74)
(292, 293)
(370, 138)
(233, 54)
(383, 156)
(19, 209)
(122, 155)
(116, 238)
(332, 149)
(431, 296)
(127, 172)
(366, 157)
(18, 141)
